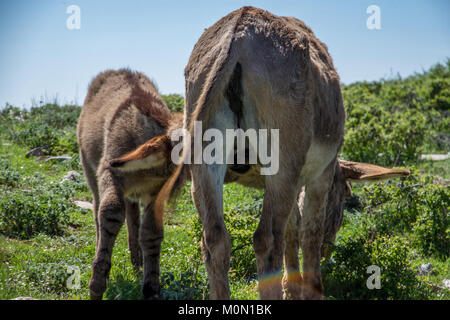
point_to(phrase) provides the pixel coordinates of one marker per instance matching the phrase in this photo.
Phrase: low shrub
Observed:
(346, 274)
(431, 231)
(9, 177)
(185, 286)
(418, 206)
(34, 135)
(55, 116)
(49, 125)
(384, 138)
(390, 122)
(25, 213)
(52, 277)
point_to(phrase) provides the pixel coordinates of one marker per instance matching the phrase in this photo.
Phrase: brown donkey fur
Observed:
(122, 111)
(253, 69)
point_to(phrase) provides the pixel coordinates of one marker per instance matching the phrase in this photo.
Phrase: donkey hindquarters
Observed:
(260, 76)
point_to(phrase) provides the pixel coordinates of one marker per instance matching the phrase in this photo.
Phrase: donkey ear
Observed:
(356, 171)
(151, 154)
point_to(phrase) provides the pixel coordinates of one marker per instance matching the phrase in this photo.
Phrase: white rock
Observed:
(84, 204)
(71, 176)
(24, 298)
(425, 269)
(59, 158)
(435, 157)
(446, 283)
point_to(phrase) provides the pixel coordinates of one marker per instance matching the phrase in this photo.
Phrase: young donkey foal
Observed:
(122, 111)
(255, 70)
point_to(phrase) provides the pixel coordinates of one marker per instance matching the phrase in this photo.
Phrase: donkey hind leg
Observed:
(207, 194)
(292, 278)
(133, 219)
(269, 238)
(207, 182)
(91, 179)
(111, 216)
(312, 232)
(151, 234)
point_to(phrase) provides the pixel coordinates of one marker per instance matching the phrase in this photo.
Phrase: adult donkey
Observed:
(255, 70)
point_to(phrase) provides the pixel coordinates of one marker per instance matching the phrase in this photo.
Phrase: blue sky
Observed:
(40, 57)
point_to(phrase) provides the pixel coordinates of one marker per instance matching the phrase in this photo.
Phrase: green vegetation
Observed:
(174, 101)
(393, 121)
(397, 225)
(50, 125)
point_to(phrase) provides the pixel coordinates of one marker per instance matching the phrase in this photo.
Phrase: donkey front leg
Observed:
(151, 235)
(207, 182)
(111, 216)
(312, 232)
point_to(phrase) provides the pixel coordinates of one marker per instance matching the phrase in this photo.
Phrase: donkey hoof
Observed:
(150, 293)
(153, 297)
(96, 295)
